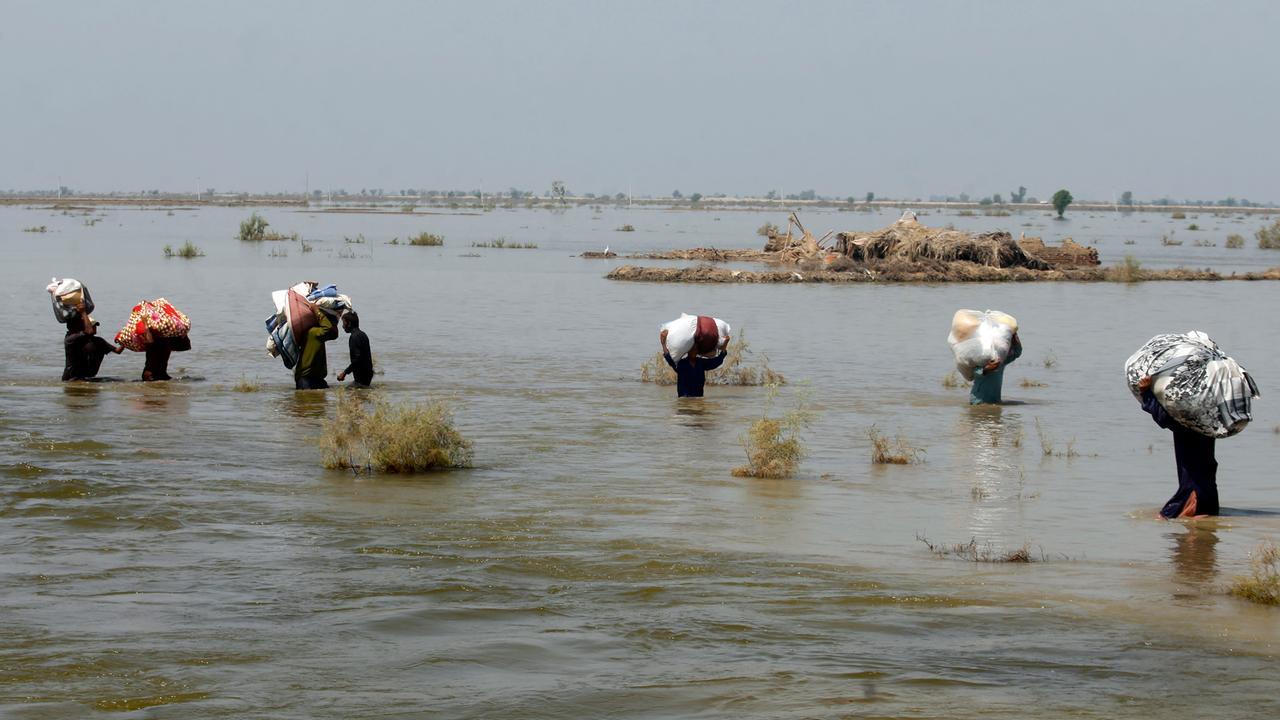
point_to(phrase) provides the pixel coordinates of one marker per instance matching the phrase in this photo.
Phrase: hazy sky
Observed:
(899, 98)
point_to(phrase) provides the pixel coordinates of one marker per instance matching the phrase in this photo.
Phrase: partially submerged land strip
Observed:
(921, 273)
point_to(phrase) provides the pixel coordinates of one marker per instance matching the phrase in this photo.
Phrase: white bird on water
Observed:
(606, 249)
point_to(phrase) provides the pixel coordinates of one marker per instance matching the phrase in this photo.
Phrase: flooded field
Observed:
(176, 550)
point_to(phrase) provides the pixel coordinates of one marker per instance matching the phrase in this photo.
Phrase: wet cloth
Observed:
(1197, 469)
(84, 352)
(313, 367)
(361, 367)
(987, 385)
(691, 373)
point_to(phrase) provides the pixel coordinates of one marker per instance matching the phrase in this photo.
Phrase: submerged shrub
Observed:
(1235, 241)
(738, 367)
(426, 239)
(953, 380)
(393, 438)
(246, 385)
(1262, 585)
(768, 229)
(1269, 236)
(254, 229)
(773, 445)
(1128, 270)
(897, 451)
(627, 228)
(187, 250)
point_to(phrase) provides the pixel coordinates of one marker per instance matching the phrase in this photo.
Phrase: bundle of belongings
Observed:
(1195, 382)
(151, 318)
(68, 295)
(703, 335)
(978, 338)
(294, 316)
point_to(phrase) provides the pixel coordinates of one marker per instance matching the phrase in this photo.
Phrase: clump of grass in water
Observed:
(425, 239)
(953, 380)
(1235, 241)
(36, 229)
(773, 445)
(392, 438)
(1128, 270)
(1029, 383)
(986, 553)
(737, 368)
(501, 243)
(1268, 236)
(187, 250)
(1262, 584)
(627, 228)
(897, 451)
(357, 240)
(1050, 359)
(1178, 215)
(245, 385)
(768, 229)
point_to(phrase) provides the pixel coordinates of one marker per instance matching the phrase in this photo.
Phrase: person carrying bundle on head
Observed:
(706, 351)
(82, 347)
(313, 367)
(983, 343)
(1197, 494)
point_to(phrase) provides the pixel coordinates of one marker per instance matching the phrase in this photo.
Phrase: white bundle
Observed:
(977, 338)
(681, 333)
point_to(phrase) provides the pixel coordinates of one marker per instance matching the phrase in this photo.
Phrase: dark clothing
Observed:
(157, 365)
(84, 352)
(691, 373)
(1197, 469)
(313, 366)
(361, 367)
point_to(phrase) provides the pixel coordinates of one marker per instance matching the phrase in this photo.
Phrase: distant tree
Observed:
(1126, 198)
(208, 191)
(851, 200)
(871, 196)
(620, 197)
(676, 194)
(997, 199)
(1019, 195)
(964, 197)
(1061, 200)
(558, 190)
(316, 194)
(808, 195)
(771, 195)
(695, 197)
(985, 201)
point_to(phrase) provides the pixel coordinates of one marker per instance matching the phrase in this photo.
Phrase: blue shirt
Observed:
(691, 374)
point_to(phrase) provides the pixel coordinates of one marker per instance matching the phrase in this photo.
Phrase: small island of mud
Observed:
(908, 252)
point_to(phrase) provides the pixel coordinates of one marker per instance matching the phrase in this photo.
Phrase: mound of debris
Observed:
(908, 240)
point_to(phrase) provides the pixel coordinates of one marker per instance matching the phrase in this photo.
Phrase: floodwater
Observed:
(176, 550)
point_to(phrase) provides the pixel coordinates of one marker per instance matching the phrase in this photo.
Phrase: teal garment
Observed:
(986, 385)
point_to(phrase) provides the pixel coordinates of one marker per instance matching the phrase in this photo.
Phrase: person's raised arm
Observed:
(666, 355)
(718, 360)
(1152, 406)
(1015, 349)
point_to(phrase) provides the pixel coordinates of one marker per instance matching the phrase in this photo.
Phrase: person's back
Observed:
(313, 366)
(691, 372)
(988, 382)
(361, 367)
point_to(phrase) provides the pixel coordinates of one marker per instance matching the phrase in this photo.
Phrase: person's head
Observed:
(350, 321)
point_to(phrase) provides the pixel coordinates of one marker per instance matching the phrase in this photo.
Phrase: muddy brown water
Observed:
(176, 550)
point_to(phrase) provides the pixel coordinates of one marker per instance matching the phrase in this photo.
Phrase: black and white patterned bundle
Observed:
(1199, 385)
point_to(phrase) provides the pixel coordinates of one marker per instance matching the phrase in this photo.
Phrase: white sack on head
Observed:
(682, 332)
(1195, 382)
(978, 338)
